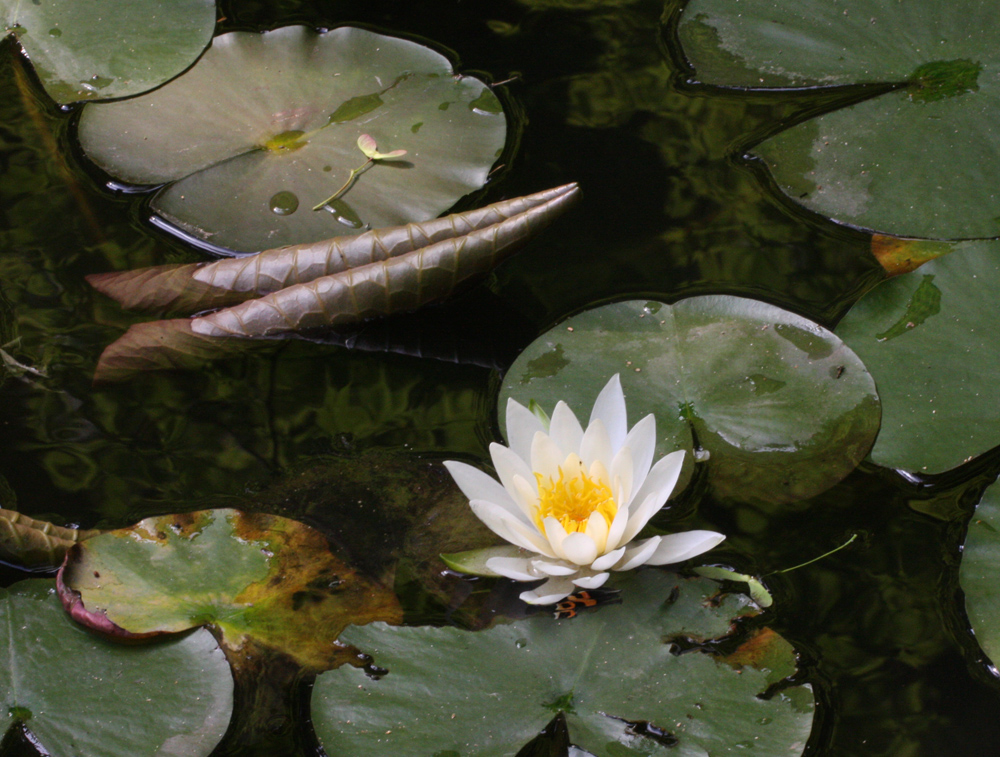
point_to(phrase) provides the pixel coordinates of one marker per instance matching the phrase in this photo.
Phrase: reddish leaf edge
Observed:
(96, 621)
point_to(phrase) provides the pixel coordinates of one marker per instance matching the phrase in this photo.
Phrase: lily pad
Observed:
(266, 126)
(78, 694)
(621, 688)
(929, 339)
(979, 574)
(254, 577)
(102, 49)
(921, 160)
(784, 409)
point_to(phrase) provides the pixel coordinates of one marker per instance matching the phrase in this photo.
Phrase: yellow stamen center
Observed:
(572, 500)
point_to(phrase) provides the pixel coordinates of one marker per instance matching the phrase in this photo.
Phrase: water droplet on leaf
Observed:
(284, 203)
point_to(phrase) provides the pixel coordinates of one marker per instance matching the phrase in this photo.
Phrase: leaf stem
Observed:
(355, 173)
(815, 559)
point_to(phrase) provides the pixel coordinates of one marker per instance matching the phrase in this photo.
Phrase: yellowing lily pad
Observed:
(254, 577)
(918, 160)
(782, 407)
(611, 673)
(102, 49)
(266, 126)
(80, 695)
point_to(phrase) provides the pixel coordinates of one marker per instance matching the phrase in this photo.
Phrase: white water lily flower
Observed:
(571, 500)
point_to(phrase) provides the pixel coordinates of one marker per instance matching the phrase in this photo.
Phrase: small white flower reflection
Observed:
(571, 501)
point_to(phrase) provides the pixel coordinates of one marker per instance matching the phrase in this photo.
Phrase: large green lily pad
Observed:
(929, 339)
(620, 686)
(254, 577)
(979, 574)
(920, 161)
(101, 49)
(266, 126)
(784, 408)
(78, 694)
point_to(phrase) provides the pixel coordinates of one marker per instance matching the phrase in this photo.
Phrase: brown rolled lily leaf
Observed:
(403, 282)
(36, 544)
(188, 288)
(257, 581)
(383, 287)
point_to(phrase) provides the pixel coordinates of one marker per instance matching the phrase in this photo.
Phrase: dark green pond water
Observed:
(669, 209)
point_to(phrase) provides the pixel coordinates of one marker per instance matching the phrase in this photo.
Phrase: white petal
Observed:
(640, 516)
(546, 457)
(679, 547)
(556, 535)
(653, 494)
(598, 472)
(497, 520)
(565, 429)
(549, 592)
(617, 528)
(573, 466)
(662, 477)
(621, 475)
(522, 424)
(477, 485)
(610, 409)
(597, 529)
(554, 568)
(638, 554)
(517, 568)
(508, 465)
(591, 582)
(580, 548)
(504, 525)
(606, 561)
(596, 445)
(525, 492)
(531, 535)
(642, 441)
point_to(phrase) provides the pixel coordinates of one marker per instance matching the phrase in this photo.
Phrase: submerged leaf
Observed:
(193, 287)
(265, 126)
(162, 345)
(784, 408)
(620, 687)
(261, 578)
(81, 695)
(104, 49)
(36, 543)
